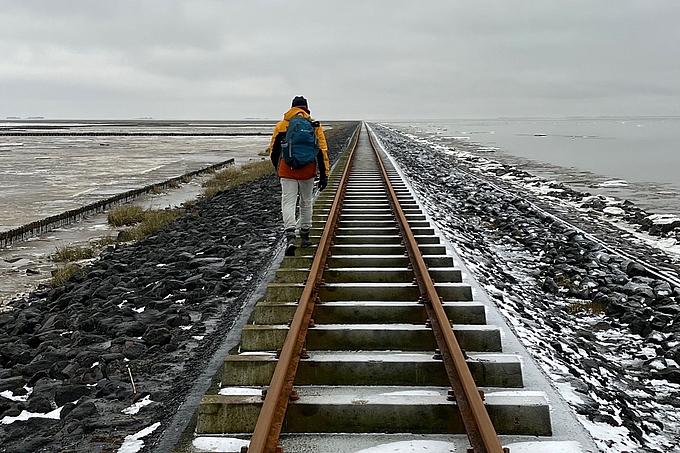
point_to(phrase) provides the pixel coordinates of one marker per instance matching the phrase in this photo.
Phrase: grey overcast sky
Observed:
(382, 59)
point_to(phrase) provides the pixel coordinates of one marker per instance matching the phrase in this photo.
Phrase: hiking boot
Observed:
(304, 239)
(290, 243)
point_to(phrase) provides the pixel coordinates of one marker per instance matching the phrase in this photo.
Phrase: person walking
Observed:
(298, 151)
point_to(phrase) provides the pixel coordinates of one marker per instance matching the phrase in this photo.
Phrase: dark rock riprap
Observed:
(150, 312)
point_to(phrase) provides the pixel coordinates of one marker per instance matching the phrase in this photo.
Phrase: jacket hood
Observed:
(294, 111)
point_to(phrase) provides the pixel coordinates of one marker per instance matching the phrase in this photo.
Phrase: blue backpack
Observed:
(299, 147)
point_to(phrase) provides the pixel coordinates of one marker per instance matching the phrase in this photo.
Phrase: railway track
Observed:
(374, 337)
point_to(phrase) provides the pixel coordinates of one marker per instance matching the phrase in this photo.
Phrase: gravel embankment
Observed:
(605, 330)
(155, 310)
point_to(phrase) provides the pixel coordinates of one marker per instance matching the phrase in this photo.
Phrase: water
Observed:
(42, 175)
(586, 153)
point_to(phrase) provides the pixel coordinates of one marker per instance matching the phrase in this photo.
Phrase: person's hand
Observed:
(323, 182)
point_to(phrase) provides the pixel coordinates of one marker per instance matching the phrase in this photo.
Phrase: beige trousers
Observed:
(290, 190)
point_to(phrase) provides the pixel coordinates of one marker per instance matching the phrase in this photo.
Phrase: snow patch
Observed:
(25, 415)
(133, 442)
(240, 391)
(614, 183)
(612, 439)
(567, 391)
(413, 446)
(541, 447)
(221, 444)
(663, 219)
(412, 393)
(10, 395)
(613, 210)
(132, 410)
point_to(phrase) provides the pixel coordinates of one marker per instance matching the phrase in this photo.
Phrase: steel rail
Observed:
(481, 433)
(265, 437)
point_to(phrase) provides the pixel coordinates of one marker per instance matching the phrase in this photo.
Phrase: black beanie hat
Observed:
(299, 101)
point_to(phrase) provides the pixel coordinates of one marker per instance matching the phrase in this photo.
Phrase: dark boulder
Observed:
(157, 336)
(83, 411)
(39, 404)
(15, 353)
(632, 268)
(113, 389)
(640, 326)
(550, 286)
(130, 329)
(12, 383)
(70, 392)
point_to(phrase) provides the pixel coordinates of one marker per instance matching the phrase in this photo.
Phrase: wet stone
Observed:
(39, 404)
(16, 353)
(12, 383)
(70, 393)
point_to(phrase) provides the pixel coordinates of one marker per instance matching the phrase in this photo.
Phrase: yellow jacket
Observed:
(309, 171)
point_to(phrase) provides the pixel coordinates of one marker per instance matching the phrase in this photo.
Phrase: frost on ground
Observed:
(412, 446)
(25, 415)
(132, 410)
(227, 444)
(134, 443)
(591, 319)
(219, 444)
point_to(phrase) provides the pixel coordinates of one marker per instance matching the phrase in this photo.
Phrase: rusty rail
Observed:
(268, 427)
(480, 430)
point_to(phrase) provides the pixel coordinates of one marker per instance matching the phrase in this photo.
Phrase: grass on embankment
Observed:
(125, 215)
(69, 253)
(62, 274)
(232, 177)
(148, 221)
(152, 221)
(144, 222)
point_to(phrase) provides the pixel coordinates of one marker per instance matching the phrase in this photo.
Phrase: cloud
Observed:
(352, 59)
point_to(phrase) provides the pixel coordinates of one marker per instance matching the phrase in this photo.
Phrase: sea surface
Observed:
(630, 158)
(42, 175)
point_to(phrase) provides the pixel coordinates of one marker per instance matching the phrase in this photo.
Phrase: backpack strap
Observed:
(315, 124)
